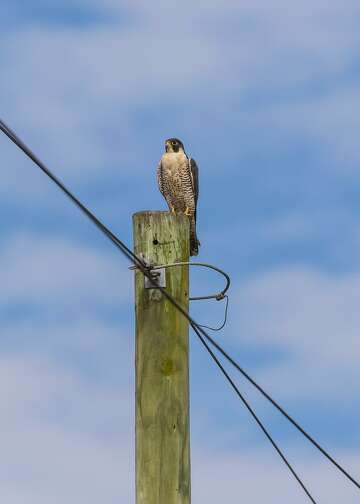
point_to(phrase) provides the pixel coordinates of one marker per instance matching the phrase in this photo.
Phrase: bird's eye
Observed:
(173, 142)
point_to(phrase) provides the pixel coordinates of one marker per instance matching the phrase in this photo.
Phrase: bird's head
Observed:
(173, 145)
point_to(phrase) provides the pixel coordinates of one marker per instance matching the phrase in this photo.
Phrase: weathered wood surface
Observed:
(162, 364)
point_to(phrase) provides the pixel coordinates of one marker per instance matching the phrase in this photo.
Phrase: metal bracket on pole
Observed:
(158, 276)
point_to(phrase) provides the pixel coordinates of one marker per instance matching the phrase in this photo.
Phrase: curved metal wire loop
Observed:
(219, 296)
(215, 329)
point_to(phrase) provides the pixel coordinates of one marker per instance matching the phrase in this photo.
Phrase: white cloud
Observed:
(45, 458)
(327, 121)
(61, 427)
(48, 270)
(83, 84)
(258, 476)
(65, 439)
(313, 318)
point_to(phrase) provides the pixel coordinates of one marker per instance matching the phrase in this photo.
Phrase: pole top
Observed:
(150, 212)
(160, 216)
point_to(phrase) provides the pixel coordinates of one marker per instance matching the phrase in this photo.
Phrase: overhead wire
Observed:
(258, 421)
(145, 269)
(282, 411)
(17, 141)
(141, 265)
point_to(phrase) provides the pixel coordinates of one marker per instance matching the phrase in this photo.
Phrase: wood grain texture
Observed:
(162, 364)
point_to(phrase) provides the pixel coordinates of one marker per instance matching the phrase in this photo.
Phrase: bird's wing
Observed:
(160, 178)
(194, 170)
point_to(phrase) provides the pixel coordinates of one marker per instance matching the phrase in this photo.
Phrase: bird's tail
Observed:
(194, 242)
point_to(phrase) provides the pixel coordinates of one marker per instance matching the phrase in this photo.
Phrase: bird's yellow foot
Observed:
(188, 212)
(172, 209)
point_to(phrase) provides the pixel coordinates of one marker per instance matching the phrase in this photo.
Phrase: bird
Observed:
(178, 180)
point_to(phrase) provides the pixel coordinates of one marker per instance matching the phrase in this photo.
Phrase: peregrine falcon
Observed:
(178, 179)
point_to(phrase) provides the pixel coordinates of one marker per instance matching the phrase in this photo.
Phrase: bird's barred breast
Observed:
(176, 180)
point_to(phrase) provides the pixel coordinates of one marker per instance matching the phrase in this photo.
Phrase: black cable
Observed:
(281, 409)
(256, 418)
(14, 138)
(145, 270)
(199, 331)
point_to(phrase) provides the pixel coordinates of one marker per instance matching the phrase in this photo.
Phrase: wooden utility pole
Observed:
(162, 364)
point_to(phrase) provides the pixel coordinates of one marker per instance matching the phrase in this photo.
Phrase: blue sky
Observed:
(266, 98)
